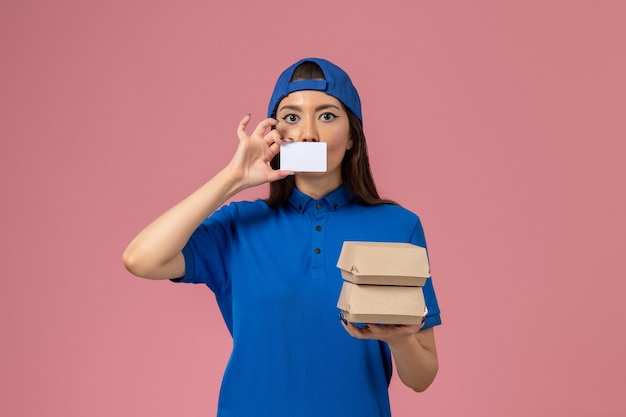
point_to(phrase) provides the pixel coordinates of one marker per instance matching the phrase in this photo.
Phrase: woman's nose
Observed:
(308, 132)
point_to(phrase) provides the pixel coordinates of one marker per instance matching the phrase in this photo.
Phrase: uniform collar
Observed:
(335, 199)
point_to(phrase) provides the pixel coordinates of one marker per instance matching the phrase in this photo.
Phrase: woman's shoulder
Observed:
(386, 213)
(245, 207)
(394, 209)
(235, 213)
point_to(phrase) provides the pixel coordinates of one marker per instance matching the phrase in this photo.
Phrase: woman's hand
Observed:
(251, 163)
(412, 347)
(392, 334)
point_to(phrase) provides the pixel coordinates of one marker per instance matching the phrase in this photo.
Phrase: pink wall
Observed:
(500, 122)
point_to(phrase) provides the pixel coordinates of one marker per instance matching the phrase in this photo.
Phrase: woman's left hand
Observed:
(412, 347)
(389, 333)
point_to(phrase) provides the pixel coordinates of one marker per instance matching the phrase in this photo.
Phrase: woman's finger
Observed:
(274, 148)
(278, 174)
(271, 138)
(262, 127)
(241, 128)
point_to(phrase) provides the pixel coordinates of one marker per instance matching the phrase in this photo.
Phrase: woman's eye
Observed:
(327, 117)
(290, 118)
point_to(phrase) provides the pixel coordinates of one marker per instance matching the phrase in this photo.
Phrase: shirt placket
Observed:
(320, 217)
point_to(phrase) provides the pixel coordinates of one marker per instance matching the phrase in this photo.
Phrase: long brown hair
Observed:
(355, 167)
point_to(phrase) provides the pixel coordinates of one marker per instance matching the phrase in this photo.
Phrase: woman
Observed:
(271, 263)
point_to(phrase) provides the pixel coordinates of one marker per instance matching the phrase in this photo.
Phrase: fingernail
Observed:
(290, 139)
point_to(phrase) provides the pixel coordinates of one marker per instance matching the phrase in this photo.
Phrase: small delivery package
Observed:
(383, 282)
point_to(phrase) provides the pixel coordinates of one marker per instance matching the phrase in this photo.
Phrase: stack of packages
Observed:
(383, 282)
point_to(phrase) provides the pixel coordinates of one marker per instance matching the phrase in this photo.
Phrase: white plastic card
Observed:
(303, 156)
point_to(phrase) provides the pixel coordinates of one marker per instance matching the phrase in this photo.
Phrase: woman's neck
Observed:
(315, 186)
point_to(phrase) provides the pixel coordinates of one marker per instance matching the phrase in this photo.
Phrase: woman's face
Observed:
(314, 116)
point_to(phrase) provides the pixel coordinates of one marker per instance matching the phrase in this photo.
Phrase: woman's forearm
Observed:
(156, 252)
(416, 359)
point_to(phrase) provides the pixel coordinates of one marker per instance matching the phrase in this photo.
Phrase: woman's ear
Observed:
(350, 144)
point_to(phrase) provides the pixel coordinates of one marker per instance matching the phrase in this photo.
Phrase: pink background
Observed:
(500, 122)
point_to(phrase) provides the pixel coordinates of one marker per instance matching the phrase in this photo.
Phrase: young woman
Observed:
(272, 263)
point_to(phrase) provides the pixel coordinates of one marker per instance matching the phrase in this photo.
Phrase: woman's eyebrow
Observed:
(290, 107)
(326, 106)
(318, 108)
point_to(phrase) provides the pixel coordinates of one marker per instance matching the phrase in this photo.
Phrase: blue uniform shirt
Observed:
(274, 275)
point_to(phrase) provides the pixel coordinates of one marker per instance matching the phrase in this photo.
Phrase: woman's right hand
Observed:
(250, 165)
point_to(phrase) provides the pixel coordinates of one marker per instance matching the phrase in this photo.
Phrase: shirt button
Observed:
(318, 206)
(317, 251)
(318, 228)
(335, 206)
